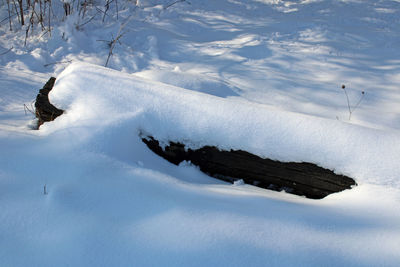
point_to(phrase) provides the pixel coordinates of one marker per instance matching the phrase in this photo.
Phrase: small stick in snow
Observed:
(173, 3)
(9, 13)
(89, 20)
(58, 62)
(6, 51)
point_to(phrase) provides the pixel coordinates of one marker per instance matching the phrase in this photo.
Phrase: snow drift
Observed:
(112, 202)
(96, 97)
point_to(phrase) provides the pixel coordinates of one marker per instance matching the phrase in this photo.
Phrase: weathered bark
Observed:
(304, 179)
(45, 111)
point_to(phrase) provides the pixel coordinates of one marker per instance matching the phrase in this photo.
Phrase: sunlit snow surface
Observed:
(99, 98)
(267, 76)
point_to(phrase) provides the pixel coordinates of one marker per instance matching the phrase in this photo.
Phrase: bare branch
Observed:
(119, 36)
(89, 20)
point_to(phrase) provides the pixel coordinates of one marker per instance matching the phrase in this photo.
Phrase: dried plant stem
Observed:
(21, 8)
(176, 2)
(9, 13)
(116, 6)
(352, 109)
(359, 101)
(8, 50)
(49, 15)
(107, 6)
(30, 110)
(16, 11)
(348, 102)
(119, 36)
(58, 62)
(112, 45)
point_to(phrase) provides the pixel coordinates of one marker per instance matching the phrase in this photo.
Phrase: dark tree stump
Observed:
(45, 111)
(304, 179)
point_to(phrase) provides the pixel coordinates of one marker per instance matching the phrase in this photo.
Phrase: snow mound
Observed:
(95, 97)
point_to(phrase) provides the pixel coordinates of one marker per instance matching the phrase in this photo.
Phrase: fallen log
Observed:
(44, 110)
(303, 179)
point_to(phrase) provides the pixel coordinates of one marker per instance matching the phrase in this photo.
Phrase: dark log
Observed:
(45, 111)
(304, 179)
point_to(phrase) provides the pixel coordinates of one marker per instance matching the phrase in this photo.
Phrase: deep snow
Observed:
(96, 97)
(268, 75)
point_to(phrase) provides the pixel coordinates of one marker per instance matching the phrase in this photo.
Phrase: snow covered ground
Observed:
(269, 75)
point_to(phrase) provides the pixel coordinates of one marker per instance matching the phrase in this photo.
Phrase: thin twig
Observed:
(116, 6)
(40, 20)
(99, 10)
(7, 51)
(89, 20)
(173, 3)
(169, 5)
(26, 108)
(58, 62)
(348, 102)
(9, 13)
(359, 101)
(16, 11)
(46, 32)
(112, 45)
(107, 6)
(50, 10)
(12, 15)
(27, 33)
(119, 36)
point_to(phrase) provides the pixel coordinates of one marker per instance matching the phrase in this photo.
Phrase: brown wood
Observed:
(304, 179)
(45, 111)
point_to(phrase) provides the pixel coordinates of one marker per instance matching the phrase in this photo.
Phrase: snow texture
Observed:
(96, 97)
(260, 75)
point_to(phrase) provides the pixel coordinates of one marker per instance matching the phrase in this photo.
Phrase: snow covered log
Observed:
(304, 179)
(45, 111)
(227, 161)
